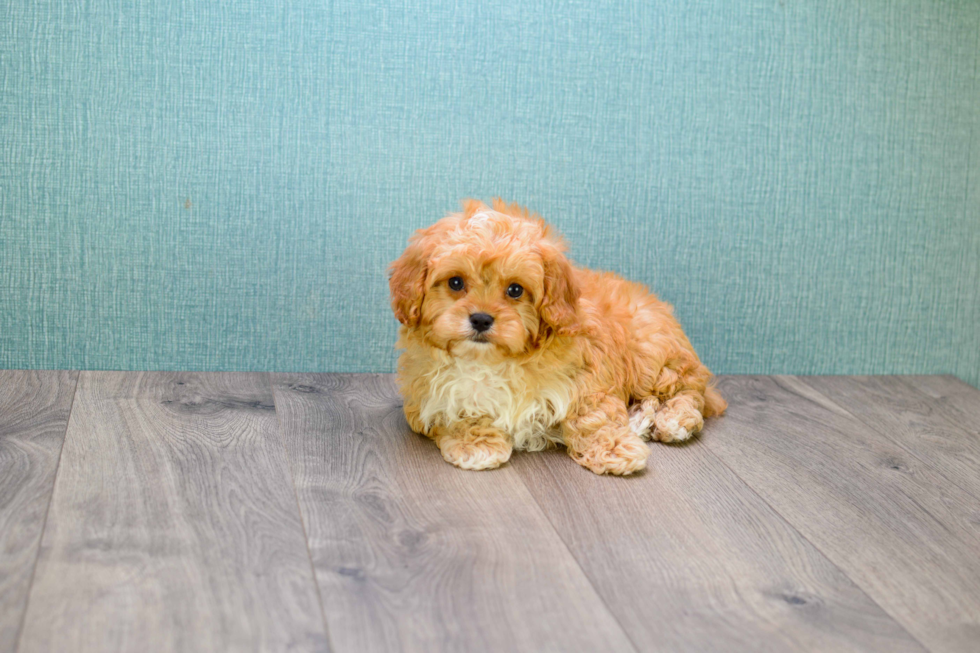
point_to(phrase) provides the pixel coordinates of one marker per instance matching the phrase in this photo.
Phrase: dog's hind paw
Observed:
(619, 453)
(677, 421)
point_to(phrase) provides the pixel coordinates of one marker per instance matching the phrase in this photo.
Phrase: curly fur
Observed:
(582, 358)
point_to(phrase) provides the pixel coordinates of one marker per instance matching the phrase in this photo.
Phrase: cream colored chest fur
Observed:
(528, 407)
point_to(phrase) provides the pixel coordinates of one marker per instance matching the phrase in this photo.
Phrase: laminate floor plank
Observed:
(957, 400)
(902, 533)
(34, 407)
(691, 559)
(821, 513)
(173, 525)
(414, 554)
(935, 430)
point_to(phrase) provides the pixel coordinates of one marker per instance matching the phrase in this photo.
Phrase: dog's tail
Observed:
(714, 403)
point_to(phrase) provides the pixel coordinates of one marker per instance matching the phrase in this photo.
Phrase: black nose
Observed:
(481, 321)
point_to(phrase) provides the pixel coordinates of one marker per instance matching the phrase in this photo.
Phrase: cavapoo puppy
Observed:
(506, 345)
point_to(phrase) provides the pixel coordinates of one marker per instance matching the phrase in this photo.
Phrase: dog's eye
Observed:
(456, 283)
(515, 290)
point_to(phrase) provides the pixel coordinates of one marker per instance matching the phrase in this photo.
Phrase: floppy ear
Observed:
(559, 306)
(406, 280)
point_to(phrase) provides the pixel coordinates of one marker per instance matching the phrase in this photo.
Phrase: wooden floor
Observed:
(239, 511)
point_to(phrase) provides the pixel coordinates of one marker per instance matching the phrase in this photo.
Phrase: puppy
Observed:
(506, 345)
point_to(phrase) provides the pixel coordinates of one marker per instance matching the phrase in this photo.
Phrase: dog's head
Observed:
(487, 282)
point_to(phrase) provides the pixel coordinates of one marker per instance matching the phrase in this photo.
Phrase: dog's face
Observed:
(487, 283)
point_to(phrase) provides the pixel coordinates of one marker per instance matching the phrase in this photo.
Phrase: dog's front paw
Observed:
(480, 453)
(612, 451)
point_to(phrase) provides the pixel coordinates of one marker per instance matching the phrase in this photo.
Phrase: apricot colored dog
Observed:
(506, 345)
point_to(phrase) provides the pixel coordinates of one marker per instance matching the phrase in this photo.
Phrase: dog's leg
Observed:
(599, 438)
(473, 444)
(680, 417)
(412, 416)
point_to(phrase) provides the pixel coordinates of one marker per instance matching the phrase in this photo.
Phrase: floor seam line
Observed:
(47, 510)
(299, 511)
(887, 436)
(831, 561)
(578, 564)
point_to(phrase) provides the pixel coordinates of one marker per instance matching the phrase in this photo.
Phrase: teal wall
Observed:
(220, 185)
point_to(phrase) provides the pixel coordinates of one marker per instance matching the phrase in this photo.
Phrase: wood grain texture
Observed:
(413, 554)
(957, 400)
(34, 407)
(173, 526)
(938, 431)
(894, 525)
(690, 559)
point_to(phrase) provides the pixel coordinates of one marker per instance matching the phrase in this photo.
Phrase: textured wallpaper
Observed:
(220, 185)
